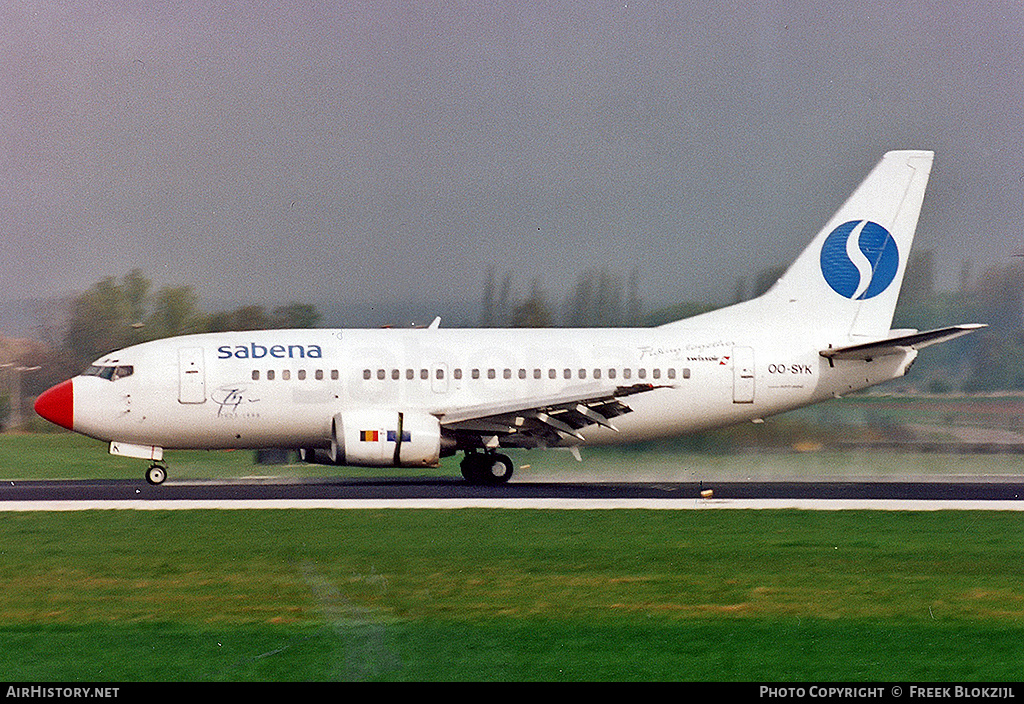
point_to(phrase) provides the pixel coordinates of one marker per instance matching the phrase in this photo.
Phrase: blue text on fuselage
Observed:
(255, 351)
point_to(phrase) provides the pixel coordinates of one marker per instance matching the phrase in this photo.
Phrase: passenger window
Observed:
(475, 374)
(686, 373)
(302, 374)
(440, 373)
(522, 373)
(552, 374)
(286, 375)
(320, 374)
(255, 374)
(410, 374)
(672, 373)
(490, 374)
(458, 373)
(270, 375)
(536, 373)
(611, 373)
(380, 374)
(334, 375)
(597, 373)
(424, 374)
(366, 374)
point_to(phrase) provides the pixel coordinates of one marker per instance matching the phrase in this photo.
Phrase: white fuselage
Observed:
(281, 388)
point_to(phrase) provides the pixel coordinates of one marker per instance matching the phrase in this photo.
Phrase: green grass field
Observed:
(511, 595)
(480, 594)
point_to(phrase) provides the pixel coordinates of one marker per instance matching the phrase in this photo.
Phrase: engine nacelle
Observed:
(378, 438)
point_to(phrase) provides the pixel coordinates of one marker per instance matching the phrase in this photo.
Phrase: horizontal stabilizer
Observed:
(894, 345)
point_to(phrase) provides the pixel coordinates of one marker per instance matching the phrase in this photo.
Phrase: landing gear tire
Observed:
(156, 474)
(497, 469)
(488, 468)
(470, 467)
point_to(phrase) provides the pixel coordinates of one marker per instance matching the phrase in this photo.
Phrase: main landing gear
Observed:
(156, 474)
(486, 468)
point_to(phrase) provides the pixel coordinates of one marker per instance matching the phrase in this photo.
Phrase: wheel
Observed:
(486, 468)
(156, 474)
(471, 468)
(497, 469)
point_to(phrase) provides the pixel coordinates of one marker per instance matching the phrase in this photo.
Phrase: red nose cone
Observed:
(57, 405)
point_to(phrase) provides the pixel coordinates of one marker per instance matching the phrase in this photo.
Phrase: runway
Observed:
(448, 493)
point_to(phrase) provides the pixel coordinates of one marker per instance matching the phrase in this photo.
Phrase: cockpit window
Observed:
(109, 372)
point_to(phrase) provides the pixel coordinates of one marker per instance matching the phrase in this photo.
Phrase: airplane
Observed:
(409, 397)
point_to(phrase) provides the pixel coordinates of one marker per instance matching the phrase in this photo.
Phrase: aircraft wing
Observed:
(542, 421)
(899, 343)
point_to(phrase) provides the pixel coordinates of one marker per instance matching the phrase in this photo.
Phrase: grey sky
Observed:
(350, 151)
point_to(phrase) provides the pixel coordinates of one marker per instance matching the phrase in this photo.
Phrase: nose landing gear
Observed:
(156, 474)
(489, 468)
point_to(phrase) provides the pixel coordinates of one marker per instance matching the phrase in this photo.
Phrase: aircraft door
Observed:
(742, 374)
(191, 375)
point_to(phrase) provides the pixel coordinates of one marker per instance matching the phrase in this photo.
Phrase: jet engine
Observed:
(378, 438)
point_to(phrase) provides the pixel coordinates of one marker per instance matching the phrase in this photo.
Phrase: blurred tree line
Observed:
(114, 314)
(989, 360)
(599, 298)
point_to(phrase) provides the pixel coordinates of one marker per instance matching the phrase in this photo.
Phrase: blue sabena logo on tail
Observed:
(859, 259)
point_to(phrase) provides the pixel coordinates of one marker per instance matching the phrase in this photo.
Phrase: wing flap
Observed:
(544, 421)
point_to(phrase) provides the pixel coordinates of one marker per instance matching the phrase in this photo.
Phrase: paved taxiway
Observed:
(452, 493)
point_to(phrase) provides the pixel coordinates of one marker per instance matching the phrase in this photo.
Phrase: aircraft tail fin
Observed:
(850, 275)
(847, 281)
